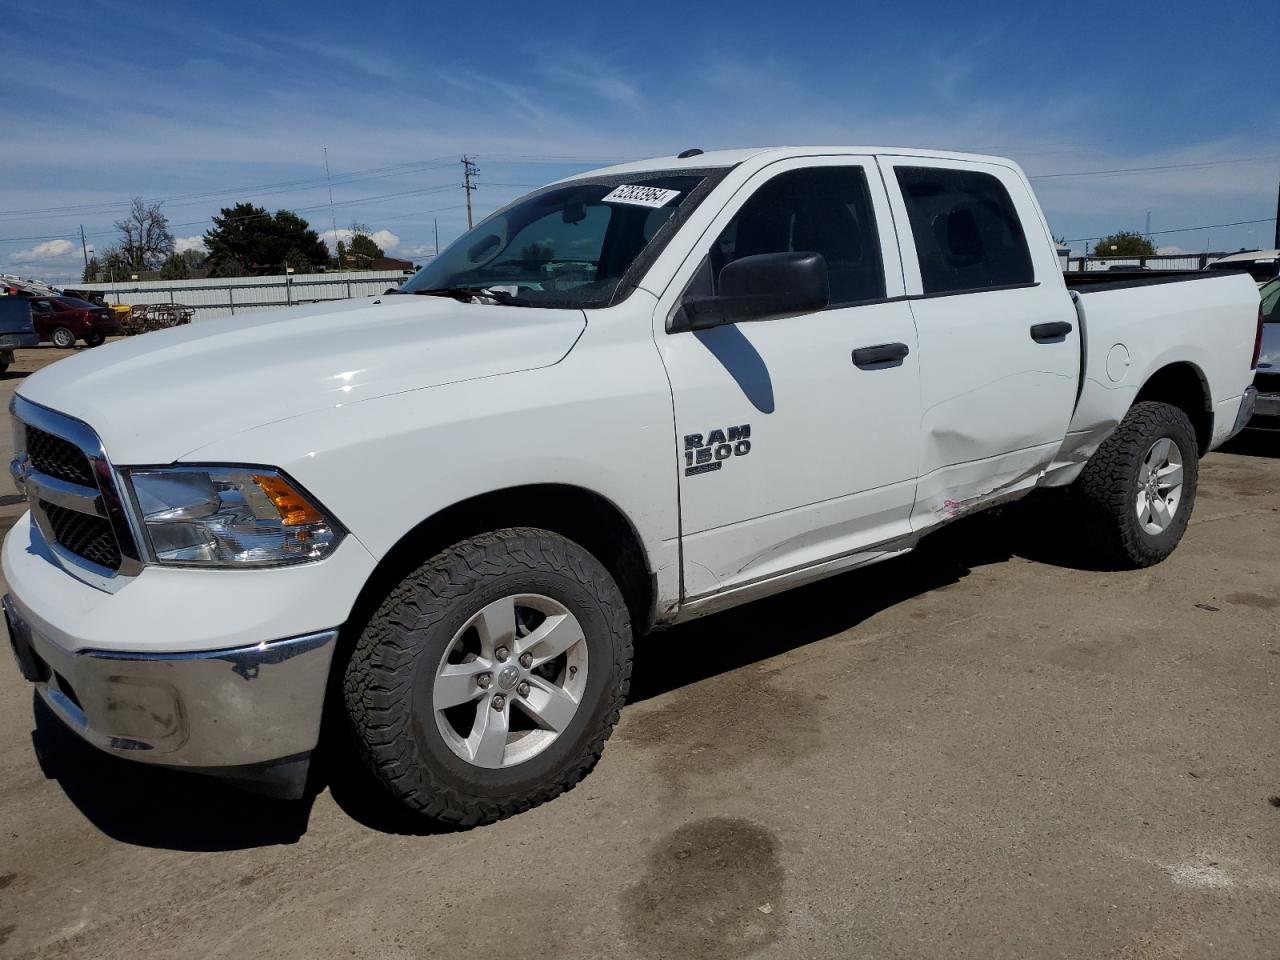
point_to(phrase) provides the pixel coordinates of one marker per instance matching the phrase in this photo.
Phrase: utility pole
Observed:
(469, 171)
(84, 249)
(332, 216)
(1277, 218)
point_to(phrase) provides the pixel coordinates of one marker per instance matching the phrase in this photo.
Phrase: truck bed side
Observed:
(1135, 327)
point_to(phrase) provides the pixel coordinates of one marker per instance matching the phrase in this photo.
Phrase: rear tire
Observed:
(459, 708)
(63, 338)
(1134, 498)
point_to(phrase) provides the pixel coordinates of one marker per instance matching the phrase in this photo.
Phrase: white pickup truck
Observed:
(628, 399)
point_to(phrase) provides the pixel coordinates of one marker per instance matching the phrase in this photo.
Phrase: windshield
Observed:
(579, 244)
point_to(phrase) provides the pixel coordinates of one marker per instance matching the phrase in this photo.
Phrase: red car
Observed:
(64, 320)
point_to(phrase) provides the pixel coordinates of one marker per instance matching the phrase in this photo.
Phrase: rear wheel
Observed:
(64, 338)
(489, 679)
(1135, 495)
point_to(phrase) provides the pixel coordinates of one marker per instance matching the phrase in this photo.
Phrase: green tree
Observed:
(182, 266)
(362, 249)
(298, 259)
(116, 266)
(91, 271)
(1125, 243)
(249, 240)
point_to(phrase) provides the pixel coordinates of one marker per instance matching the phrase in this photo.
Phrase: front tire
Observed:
(489, 679)
(94, 340)
(1135, 495)
(63, 338)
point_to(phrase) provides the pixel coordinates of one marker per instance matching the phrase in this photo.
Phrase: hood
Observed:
(156, 397)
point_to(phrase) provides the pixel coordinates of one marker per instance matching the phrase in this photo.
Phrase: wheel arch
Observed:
(1183, 385)
(583, 516)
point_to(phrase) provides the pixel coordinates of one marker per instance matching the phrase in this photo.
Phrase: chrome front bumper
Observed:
(251, 713)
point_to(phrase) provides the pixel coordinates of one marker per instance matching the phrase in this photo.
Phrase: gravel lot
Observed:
(974, 751)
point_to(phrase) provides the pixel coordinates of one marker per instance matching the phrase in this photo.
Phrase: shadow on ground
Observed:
(156, 807)
(1255, 443)
(149, 806)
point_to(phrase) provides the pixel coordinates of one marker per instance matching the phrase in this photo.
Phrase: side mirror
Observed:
(763, 286)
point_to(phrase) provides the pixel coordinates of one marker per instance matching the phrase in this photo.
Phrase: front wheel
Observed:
(94, 339)
(489, 679)
(63, 338)
(1134, 496)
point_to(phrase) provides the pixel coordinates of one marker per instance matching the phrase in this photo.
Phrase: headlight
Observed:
(230, 517)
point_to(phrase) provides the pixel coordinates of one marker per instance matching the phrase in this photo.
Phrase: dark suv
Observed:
(64, 320)
(16, 328)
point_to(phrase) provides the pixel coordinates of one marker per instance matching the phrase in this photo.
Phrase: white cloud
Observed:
(183, 244)
(43, 252)
(1171, 250)
(417, 251)
(385, 239)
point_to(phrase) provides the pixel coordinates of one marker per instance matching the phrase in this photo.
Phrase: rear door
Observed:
(790, 453)
(999, 349)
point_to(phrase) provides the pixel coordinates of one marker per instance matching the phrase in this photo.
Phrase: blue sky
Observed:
(199, 103)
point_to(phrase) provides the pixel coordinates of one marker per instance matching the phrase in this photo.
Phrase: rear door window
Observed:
(968, 235)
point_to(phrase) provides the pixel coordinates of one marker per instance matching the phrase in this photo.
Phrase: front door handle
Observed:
(880, 356)
(1053, 332)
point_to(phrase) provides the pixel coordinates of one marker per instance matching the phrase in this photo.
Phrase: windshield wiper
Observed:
(466, 294)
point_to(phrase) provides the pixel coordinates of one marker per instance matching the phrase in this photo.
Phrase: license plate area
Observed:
(29, 663)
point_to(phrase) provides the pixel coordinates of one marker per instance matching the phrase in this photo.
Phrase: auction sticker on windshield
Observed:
(640, 196)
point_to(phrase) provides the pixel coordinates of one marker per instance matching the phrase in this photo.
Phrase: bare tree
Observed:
(145, 240)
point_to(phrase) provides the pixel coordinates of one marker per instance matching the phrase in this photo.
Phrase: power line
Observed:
(282, 186)
(1207, 226)
(1121, 171)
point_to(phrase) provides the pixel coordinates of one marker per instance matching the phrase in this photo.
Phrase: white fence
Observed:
(220, 297)
(1161, 261)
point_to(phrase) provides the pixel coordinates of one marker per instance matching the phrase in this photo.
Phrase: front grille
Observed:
(58, 458)
(84, 535)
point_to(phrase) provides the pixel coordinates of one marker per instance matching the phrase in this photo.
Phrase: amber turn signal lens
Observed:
(294, 508)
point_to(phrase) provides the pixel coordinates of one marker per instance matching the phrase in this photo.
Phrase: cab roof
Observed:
(729, 158)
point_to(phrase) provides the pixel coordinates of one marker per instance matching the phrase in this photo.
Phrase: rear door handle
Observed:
(880, 356)
(1050, 332)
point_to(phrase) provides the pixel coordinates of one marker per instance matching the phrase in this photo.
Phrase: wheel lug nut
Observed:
(498, 702)
(526, 660)
(484, 680)
(502, 653)
(523, 689)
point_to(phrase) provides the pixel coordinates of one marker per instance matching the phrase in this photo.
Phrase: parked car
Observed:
(16, 328)
(444, 513)
(1262, 265)
(1267, 379)
(64, 320)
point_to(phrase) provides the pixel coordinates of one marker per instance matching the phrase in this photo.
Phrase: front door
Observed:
(790, 453)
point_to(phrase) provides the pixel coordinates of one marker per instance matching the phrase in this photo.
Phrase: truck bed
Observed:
(1120, 279)
(1130, 325)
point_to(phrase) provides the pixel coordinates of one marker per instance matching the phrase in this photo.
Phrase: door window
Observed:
(824, 210)
(42, 306)
(967, 233)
